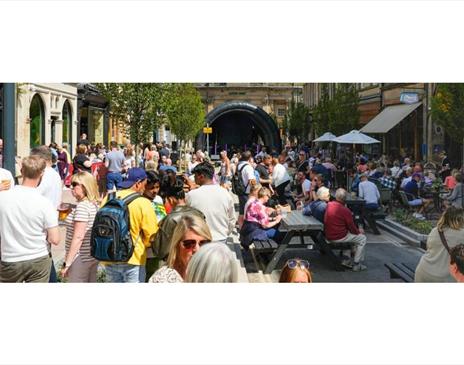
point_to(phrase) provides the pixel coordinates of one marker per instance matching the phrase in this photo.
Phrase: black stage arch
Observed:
(239, 125)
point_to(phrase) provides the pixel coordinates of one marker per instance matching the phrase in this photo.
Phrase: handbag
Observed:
(443, 240)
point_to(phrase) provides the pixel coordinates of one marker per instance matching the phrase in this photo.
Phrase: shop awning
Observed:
(389, 117)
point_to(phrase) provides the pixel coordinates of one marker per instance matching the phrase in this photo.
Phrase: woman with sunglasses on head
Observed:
(79, 266)
(190, 233)
(296, 271)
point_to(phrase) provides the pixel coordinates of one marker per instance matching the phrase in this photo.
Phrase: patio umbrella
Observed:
(355, 137)
(326, 137)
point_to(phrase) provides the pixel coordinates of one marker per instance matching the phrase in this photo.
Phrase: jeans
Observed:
(53, 275)
(372, 206)
(281, 192)
(125, 273)
(113, 179)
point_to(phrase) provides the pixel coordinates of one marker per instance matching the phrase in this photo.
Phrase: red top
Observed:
(338, 221)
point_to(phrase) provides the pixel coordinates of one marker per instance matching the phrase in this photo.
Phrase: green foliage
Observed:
(139, 105)
(338, 114)
(185, 111)
(402, 217)
(448, 109)
(296, 122)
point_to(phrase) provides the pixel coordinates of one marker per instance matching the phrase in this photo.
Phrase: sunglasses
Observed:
(294, 263)
(74, 184)
(190, 244)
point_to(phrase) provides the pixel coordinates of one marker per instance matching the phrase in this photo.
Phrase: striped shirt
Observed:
(85, 211)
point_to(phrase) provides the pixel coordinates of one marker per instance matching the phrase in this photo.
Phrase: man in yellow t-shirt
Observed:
(143, 225)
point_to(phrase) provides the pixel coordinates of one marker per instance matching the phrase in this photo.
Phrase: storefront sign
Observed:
(409, 98)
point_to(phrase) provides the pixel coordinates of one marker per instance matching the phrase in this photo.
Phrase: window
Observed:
(36, 126)
(66, 117)
(280, 112)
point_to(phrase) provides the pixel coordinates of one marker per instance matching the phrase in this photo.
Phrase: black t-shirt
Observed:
(302, 166)
(78, 163)
(263, 173)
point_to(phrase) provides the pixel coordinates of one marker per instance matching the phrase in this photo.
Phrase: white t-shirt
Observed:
(51, 187)
(25, 215)
(217, 205)
(279, 175)
(306, 186)
(6, 175)
(248, 173)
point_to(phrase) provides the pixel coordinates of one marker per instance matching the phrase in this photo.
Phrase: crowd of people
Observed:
(178, 223)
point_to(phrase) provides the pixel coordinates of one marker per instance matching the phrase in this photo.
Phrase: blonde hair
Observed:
(89, 183)
(32, 167)
(254, 189)
(150, 165)
(264, 192)
(452, 218)
(186, 223)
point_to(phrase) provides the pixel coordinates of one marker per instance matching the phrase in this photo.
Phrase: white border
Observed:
(291, 41)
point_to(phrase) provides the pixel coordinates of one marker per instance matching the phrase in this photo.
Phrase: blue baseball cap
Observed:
(134, 175)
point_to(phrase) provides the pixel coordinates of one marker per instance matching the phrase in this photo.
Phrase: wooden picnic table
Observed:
(298, 224)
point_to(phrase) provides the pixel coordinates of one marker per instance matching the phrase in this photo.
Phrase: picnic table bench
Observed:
(297, 224)
(401, 271)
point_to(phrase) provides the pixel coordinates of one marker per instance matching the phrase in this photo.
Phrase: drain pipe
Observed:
(9, 143)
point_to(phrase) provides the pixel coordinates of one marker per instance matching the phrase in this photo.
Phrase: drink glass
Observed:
(64, 209)
(6, 183)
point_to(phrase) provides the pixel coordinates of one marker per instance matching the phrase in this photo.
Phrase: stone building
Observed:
(242, 114)
(398, 114)
(45, 113)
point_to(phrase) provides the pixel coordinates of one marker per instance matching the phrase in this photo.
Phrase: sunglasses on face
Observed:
(74, 184)
(190, 244)
(294, 263)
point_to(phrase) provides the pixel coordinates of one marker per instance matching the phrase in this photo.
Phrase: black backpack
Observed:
(238, 187)
(111, 238)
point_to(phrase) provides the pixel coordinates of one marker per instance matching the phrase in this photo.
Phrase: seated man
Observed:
(339, 227)
(304, 186)
(369, 192)
(317, 208)
(387, 181)
(412, 191)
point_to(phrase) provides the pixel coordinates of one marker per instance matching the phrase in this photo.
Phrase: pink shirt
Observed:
(256, 212)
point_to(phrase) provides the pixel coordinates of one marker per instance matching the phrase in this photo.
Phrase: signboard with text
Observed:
(207, 130)
(409, 98)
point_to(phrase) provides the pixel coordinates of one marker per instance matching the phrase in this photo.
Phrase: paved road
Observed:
(379, 250)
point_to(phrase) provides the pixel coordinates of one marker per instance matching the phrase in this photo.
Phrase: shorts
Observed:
(415, 202)
(242, 199)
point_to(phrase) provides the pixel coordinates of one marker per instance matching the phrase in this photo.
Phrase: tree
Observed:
(338, 114)
(185, 112)
(140, 105)
(448, 109)
(296, 122)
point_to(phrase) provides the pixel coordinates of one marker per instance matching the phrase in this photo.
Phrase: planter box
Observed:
(403, 232)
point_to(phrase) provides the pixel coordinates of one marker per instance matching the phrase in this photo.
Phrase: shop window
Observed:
(67, 118)
(36, 127)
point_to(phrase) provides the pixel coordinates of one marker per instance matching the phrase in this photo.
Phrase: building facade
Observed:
(45, 113)
(397, 114)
